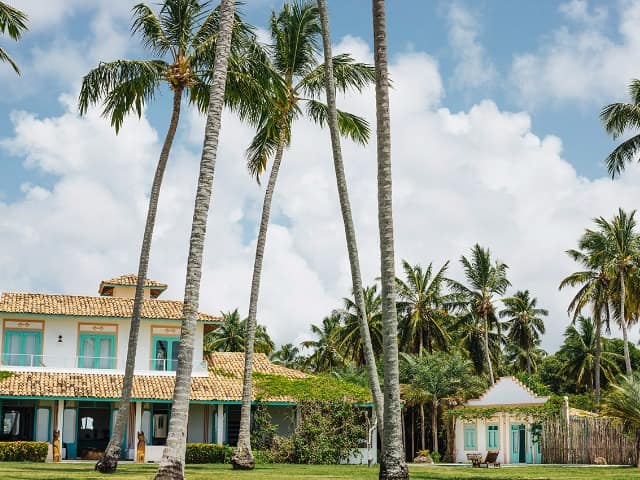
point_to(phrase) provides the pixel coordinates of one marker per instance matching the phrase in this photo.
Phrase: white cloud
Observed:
(581, 61)
(480, 175)
(474, 68)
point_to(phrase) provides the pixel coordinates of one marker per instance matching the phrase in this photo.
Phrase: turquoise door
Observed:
(22, 348)
(165, 353)
(518, 444)
(96, 351)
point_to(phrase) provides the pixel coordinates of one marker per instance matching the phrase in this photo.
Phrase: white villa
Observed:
(67, 353)
(511, 434)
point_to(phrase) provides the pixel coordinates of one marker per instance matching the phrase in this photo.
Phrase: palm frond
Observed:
(351, 126)
(147, 25)
(626, 152)
(4, 57)
(348, 73)
(179, 19)
(12, 21)
(263, 145)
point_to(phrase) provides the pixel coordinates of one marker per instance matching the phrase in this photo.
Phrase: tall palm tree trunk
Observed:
(243, 457)
(109, 462)
(393, 464)
(172, 463)
(423, 428)
(623, 321)
(598, 355)
(434, 423)
(529, 362)
(349, 229)
(487, 355)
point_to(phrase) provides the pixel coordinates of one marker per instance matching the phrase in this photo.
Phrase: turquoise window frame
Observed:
(470, 437)
(169, 367)
(95, 359)
(493, 441)
(9, 359)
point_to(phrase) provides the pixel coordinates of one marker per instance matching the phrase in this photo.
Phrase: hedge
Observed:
(208, 453)
(23, 451)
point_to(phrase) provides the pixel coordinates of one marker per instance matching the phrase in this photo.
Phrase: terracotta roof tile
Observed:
(75, 305)
(131, 280)
(233, 363)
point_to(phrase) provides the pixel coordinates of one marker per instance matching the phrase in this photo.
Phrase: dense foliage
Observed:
(208, 453)
(23, 451)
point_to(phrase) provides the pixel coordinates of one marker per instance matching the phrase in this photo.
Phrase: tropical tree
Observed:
(369, 351)
(424, 308)
(231, 336)
(182, 37)
(392, 465)
(578, 353)
(298, 81)
(349, 338)
(441, 376)
(525, 323)
(623, 403)
(468, 335)
(13, 22)
(617, 119)
(326, 353)
(486, 280)
(173, 457)
(288, 355)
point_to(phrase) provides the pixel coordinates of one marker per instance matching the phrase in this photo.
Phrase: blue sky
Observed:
(496, 140)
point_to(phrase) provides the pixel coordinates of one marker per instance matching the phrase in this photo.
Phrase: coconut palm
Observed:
(173, 457)
(326, 348)
(13, 22)
(424, 308)
(368, 348)
(298, 83)
(288, 355)
(182, 37)
(623, 403)
(349, 339)
(486, 280)
(618, 118)
(468, 335)
(393, 463)
(231, 336)
(525, 323)
(579, 354)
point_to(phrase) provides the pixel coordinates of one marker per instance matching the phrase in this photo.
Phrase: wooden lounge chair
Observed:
(491, 459)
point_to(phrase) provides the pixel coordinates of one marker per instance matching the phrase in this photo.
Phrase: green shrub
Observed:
(263, 456)
(435, 456)
(208, 453)
(23, 451)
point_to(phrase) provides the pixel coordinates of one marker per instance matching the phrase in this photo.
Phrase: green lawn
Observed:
(47, 471)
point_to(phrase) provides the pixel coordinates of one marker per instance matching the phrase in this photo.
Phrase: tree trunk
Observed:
(423, 429)
(420, 342)
(243, 457)
(413, 431)
(623, 322)
(598, 355)
(347, 218)
(529, 363)
(172, 463)
(434, 424)
(393, 464)
(487, 355)
(109, 462)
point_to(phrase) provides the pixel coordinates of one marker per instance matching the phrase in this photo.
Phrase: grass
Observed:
(84, 471)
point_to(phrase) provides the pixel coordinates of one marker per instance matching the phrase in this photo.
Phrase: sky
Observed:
(496, 140)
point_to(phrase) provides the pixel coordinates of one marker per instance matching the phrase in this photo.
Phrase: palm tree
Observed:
(623, 403)
(350, 341)
(617, 118)
(173, 457)
(468, 334)
(288, 356)
(393, 464)
(182, 37)
(298, 81)
(486, 280)
(579, 354)
(525, 323)
(13, 22)
(368, 349)
(326, 348)
(231, 336)
(424, 308)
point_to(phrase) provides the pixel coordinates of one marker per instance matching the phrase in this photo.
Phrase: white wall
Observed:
(197, 424)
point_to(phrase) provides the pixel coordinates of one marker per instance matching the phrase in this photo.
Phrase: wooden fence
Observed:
(582, 439)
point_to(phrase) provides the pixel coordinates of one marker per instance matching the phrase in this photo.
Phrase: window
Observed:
(11, 423)
(493, 442)
(470, 437)
(165, 353)
(22, 348)
(96, 350)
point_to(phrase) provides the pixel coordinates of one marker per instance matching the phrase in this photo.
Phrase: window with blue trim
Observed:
(470, 437)
(22, 348)
(97, 350)
(493, 437)
(165, 353)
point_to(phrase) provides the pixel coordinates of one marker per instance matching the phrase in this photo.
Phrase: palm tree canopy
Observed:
(231, 336)
(12, 22)
(326, 351)
(623, 402)
(182, 39)
(297, 83)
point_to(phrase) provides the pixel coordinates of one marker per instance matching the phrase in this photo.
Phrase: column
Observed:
(220, 424)
(138, 428)
(60, 422)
